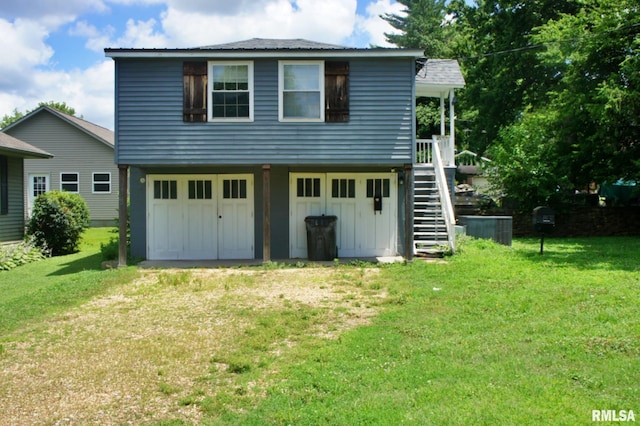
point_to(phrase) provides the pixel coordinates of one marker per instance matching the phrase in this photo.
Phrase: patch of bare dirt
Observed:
(128, 356)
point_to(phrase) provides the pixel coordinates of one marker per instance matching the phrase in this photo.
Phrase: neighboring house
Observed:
(230, 147)
(12, 154)
(83, 162)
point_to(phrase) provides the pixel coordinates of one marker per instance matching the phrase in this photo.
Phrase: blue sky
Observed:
(53, 50)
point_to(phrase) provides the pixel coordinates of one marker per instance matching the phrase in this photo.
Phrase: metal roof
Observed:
(273, 44)
(11, 145)
(261, 47)
(438, 76)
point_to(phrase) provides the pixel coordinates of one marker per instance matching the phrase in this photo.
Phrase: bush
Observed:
(58, 220)
(14, 255)
(110, 250)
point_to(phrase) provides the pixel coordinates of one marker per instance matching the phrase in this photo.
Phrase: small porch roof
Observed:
(437, 77)
(15, 147)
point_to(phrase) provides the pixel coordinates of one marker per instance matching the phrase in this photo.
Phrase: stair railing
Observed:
(445, 195)
(424, 149)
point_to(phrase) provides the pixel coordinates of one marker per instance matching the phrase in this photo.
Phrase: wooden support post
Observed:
(408, 212)
(266, 203)
(123, 178)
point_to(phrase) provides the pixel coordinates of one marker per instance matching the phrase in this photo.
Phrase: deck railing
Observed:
(424, 150)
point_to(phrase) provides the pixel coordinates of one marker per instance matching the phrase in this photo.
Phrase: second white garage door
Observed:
(200, 217)
(362, 230)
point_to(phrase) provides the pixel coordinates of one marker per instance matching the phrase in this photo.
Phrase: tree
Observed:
(423, 25)
(597, 95)
(17, 115)
(8, 119)
(500, 64)
(553, 87)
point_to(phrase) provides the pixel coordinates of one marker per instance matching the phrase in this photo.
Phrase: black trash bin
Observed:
(321, 237)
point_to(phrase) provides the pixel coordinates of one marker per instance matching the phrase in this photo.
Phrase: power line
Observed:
(537, 46)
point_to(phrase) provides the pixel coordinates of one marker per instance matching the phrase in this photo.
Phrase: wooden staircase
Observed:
(429, 227)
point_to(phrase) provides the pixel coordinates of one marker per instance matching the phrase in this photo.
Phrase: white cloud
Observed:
(49, 13)
(373, 26)
(23, 47)
(27, 75)
(328, 21)
(88, 91)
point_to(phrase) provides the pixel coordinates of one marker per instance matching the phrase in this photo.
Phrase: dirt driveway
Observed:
(138, 353)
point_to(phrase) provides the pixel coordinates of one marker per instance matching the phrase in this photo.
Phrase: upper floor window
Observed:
(301, 90)
(308, 91)
(70, 182)
(231, 89)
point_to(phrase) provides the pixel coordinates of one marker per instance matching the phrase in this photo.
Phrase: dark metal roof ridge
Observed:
(261, 46)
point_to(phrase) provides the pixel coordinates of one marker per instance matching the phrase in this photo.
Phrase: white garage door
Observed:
(362, 230)
(200, 217)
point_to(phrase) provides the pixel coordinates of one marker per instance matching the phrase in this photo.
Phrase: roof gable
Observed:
(96, 132)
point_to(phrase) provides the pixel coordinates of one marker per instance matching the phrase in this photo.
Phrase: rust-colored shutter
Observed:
(195, 92)
(336, 92)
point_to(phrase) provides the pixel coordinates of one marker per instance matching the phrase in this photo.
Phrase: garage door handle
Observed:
(219, 217)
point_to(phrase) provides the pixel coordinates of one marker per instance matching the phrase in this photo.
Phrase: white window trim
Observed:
(77, 181)
(210, 118)
(281, 65)
(93, 183)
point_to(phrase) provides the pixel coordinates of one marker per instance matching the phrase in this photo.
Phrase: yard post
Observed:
(408, 212)
(123, 177)
(266, 200)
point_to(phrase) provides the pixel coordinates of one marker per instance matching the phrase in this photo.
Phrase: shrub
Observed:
(14, 255)
(58, 220)
(110, 250)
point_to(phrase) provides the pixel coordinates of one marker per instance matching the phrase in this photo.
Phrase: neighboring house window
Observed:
(101, 183)
(301, 91)
(4, 185)
(69, 182)
(231, 89)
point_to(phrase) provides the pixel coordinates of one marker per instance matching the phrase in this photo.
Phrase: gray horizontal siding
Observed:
(74, 152)
(12, 224)
(150, 130)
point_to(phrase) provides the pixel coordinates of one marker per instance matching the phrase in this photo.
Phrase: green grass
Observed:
(36, 291)
(495, 336)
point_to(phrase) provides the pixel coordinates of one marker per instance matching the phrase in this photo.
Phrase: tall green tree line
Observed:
(17, 115)
(553, 86)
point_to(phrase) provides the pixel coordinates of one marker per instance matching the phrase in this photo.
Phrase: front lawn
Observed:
(35, 291)
(493, 335)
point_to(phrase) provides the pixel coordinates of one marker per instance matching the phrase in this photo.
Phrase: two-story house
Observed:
(230, 147)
